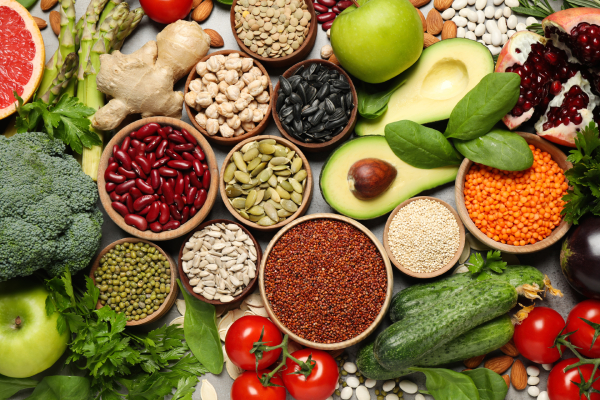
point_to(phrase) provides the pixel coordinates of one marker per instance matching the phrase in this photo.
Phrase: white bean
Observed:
(388, 386)
(353, 381)
(460, 32)
(448, 14)
(408, 386)
(533, 380)
(531, 21)
(460, 21)
(489, 12)
(480, 4)
(510, 32)
(346, 393)
(350, 367)
(470, 35)
(498, 2)
(419, 396)
(362, 393)
(471, 26)
(532, 370)
(471, 2)
(479, 30)
(512, 22)
(487, 38)
(511, 3)
(498, 13)
(547, 367)
(533, 391)
(521, 27)
(504, 38)
(496, 38)
(370, 383)
(392, 396)
(543, 396)
(480, 17)
(495, 50)
(483, 43)
(472, 16)
(459, 4)
(491, 26)
(507, 12)
(464, 12)
(502, 25)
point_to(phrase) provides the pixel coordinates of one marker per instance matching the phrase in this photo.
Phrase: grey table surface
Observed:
(546, 261)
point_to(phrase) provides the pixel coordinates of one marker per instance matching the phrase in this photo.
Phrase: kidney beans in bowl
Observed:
(158, 178)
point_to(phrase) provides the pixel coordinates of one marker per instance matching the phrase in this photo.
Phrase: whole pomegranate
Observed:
(560, 85)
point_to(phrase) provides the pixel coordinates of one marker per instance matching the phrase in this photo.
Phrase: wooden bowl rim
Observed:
(382, 312)
(340, 136)
(220, 139)
(307, 191)
(557, 234)
(192, 222)
(186, 281)
(171, 297)
(445, 268)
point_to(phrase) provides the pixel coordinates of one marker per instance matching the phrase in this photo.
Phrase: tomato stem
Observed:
(585, 386)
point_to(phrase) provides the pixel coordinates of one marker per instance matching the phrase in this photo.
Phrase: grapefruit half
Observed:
(22, 55)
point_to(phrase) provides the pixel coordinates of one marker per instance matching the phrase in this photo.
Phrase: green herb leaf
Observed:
(444, 384)
(10, 386)
(490, 385)
(476, 113)
(62, 388)
(420, 146)
(499, 149)
(475, 263)
(494, 261)
(185, 388)
(373, 99)
(201, 332)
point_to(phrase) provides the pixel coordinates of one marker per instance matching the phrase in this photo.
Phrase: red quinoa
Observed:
(325, 280)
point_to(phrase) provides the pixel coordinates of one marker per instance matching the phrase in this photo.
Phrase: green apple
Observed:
(378, 40)
(29, 341)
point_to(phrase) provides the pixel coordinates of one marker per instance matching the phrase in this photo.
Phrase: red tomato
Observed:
(321, 381)
(248, 387)
(582, 338)
(241, 337)
(560, 386)
(535, 336)
(166, 11)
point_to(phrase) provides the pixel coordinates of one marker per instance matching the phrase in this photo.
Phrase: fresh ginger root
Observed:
(142, 82)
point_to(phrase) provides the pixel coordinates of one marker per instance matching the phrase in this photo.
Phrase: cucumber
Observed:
(411, 301)
(403, 343)
(480, 340)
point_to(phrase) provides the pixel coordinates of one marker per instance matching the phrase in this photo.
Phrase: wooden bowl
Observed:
(382, 312)
(171, 297)
(307, 191)
(281, 62)
(340, 137)
(558, 156)
(186, 281)
(220, 140)
(424, 275)
(196, 219)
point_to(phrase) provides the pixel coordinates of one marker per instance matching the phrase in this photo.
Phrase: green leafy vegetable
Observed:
(10, 386)
(420, 146)
(62, 388)
(499, 149)
(226, 2)
(490, 385)
(476, 113)
(27, 3)
(493, 262)
(373, 99)
(201, 332)
(584, 178)
(444, 384)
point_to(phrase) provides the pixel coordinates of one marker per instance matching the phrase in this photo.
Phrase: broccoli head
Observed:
(48, 213)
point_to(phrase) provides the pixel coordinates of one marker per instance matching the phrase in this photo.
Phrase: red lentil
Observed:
(325, 280)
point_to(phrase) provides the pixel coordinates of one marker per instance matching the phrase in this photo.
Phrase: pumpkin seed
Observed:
(266, 221)
(244, 214)
(256, 210)
(296, 198)
(260, 168)
(253, 183)
(295, 185)
(248, 146)
(283, 213)
(286, 172)
(282, 192)
(253, 164)
(301, 175)
(255, 218)
(280, 151)
(279, 161)
(229, 170)
(266, 148)
(250, 199)
(271, 211)
(265, 175)
(233, 191)
(260, 194)
(238, 202)
(274, 204)
(251, 154)
(296, 165)
(291, 154)
(242, 177)
(287, 186)
(278, 167)
(238, 159)
(268, 192)
(289, 205)
(275, 195)
(273, 181)
(266, 157)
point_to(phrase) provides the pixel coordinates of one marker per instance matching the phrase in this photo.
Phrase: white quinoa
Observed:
(424, 236)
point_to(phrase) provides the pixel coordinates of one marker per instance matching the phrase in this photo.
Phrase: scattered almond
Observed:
(518, 375)
(40, 22)
(499, 364)
(423, 21)
(420, 3)
(506, 379)
(47, 4)
(466, 369)
(434, 22)
(215, 39)
(510, 349)
(449, 30)
(474, 362)
(333, 59)
(196, 3)
(442, 5)
(202, 12)
(429, 39)
(54, 19)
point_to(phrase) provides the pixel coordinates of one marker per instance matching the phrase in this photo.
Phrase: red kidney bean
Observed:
(156, 196)
(161, 162)
(116, 148)
(326, 17)
(200, 198)
(156, 227)
(111, 160)
(160, 187)
(114, 197)
(188, 136)
(188, 157)
(128, 200)
(138, 170)
(126, 143)
(173, 155)
(327, 25)
(320, 8)
(160, 149)
(185, 215)
(180, 148)
(328, 3)
(180, 164)
(342, 5)
(145, 211)
(125, 187)
(149, 139)
(193, 211)
(142, 202)
(172, 182)
(179, 201)
(135, 193)
(166, 130)
(127, 174)
(164, 171)
(168, 192)
(135, 143)
(112, 167)
(177, 138)
(184, 199)
(143, 186)
(123, 158)
(131, 153)
(144, 164)
(162, 199)
(175, 213)
(336, 10)
(194, 180)
(171, 225)
(179, 184)
(190, 195)
(120, 208)
(186, 181)
(154, 179)
(171, 145)
(198, 153)
(206, 179)
(114, 177)
(198, 168)
(151, 158)
(154, 143)
(154, 212)
(147, 130)
(141, 150)
(165, 213)
(162, 133)
(137, 221)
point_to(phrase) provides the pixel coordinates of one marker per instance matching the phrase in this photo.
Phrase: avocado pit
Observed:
(370, 177)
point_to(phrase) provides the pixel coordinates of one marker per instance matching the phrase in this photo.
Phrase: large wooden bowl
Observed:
(340, 137)
(424, 275)
(281, 62)
(220, 140)
(307, 191)
(382, 312)
(171, 297)
(186, 281)
(196, 219)
(558, 156)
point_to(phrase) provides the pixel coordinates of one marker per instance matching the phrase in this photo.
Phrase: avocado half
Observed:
(445, 72)
(409, 180)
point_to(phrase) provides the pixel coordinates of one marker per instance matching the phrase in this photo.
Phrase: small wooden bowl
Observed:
(220, 140)
(281, 62)
(196, 219)
(557, 234)
(186, 281)
(171, 297)
(340, 137)
(307, 191)
(382, 312)
(424, 275)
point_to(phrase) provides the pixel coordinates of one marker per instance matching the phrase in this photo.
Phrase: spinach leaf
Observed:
(201, 332)
(420, 146)
(481, 108)
(445, 384)
(500, 149)
(10, 386)
(490, 385)
(62, 388)
(373, 99)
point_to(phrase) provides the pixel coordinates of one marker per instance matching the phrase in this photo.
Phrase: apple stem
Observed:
(18, 322)
(355, 3)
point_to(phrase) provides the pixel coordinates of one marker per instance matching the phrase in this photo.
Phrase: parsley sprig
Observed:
(493, 262)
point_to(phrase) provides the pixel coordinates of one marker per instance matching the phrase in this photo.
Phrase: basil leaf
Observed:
(500, 149)
(62, 388)
(420, 146)
(490, 385)
(10, 386)
(201, 332)
(444, 384)
(476, 113)
(373, 99)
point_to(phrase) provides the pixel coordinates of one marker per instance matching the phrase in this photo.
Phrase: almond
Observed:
(420, 3)
(423, 21)
(429, 39)
(40, 22)
(48, 4)
(54, 19)
(196, 3)
(333, 59)
(474, 362)
(442, 5)
(434, 22)
(215, 39)
(449, 30)
(202, 12)
(518, 375)
(506, 379)
(499, 364)
(510, 349)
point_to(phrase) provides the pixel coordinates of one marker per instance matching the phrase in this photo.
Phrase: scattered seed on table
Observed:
(533, 380)
(352, 381)
(370, 383)
(388, 386)
(362, 393)
(350, 367)
(532, 370)
(408, 386)
(346, 393)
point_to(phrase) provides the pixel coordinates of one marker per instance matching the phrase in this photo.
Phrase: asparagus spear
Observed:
(62, 80)
(108, 9)
(134, 18)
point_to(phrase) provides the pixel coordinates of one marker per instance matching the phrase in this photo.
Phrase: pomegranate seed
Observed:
(578, 119)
